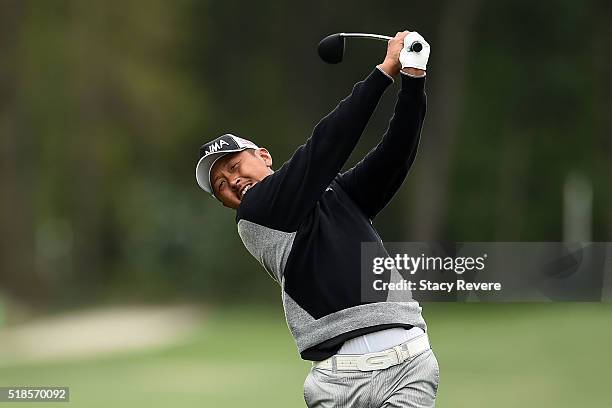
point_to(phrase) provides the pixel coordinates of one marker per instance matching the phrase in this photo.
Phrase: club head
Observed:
(331, 48)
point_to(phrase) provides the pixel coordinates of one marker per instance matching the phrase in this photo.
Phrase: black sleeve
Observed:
(377, 177)
(287, 196)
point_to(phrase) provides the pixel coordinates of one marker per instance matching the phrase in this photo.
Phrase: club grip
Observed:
(416, 46)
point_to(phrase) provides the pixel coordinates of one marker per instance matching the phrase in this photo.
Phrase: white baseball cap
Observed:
(212, 151)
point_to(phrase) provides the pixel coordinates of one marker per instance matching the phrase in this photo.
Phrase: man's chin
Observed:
(233, 205)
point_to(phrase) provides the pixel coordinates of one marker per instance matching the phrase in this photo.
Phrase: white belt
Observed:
(376, 361)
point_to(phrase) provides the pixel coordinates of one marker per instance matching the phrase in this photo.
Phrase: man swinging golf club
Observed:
(305, 223)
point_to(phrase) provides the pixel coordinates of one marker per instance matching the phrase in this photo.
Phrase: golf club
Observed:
(331, 48)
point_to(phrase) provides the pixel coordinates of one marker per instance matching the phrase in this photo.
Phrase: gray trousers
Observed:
(414, 384)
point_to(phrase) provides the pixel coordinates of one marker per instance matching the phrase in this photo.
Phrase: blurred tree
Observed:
(98, 105)
(17, 270)
(453, 44)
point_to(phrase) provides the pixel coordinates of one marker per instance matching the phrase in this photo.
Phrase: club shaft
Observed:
(365, 35)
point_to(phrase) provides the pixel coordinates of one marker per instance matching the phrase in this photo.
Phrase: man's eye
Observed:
(234, 165)
(221, 184)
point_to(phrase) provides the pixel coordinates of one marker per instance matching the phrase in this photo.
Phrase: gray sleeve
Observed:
(269, 246)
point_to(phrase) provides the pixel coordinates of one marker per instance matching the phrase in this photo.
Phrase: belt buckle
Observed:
(374, 361)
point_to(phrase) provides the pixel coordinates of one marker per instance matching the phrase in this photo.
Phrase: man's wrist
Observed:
(414, 72)
(390, 68)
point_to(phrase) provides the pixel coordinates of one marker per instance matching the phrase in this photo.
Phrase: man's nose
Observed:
(235, 183)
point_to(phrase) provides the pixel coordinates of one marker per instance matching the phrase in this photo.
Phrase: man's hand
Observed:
(391, 64)
(412, 59)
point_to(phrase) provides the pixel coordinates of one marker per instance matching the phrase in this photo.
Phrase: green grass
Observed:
(491, 355)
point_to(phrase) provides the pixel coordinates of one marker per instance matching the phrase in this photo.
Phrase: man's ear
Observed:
(265, 156)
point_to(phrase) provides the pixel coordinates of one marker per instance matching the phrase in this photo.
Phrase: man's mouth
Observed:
(244, 190)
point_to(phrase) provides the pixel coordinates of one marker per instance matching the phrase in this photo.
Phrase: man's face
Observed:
(233, 174)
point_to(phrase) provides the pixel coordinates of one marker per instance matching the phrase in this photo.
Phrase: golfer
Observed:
(305, 223)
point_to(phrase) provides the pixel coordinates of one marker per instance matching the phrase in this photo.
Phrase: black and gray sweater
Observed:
(305, 222)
